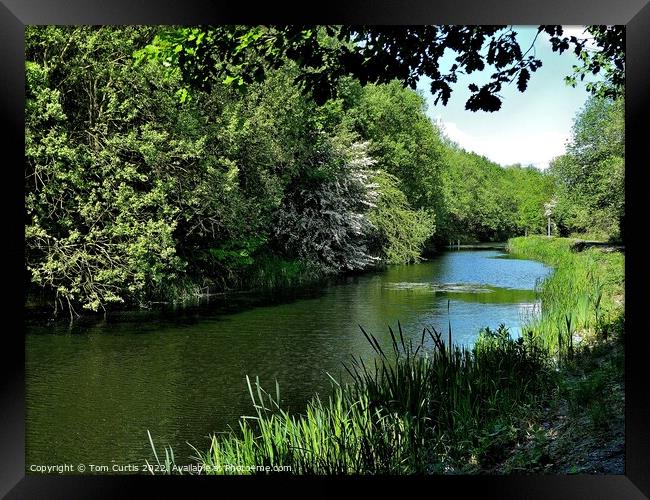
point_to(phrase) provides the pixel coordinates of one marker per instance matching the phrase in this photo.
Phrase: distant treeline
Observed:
(140, 190)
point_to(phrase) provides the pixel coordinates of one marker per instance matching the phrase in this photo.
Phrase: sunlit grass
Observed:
(580, 298)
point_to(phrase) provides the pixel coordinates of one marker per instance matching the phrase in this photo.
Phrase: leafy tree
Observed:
(530, 189)
(240, 55)
(609, 58)
(133, 196)
(256, 151)
(99, 221)
(473, 200)
(486, 202)
(591, 176)
(402, 139)
(401, 232)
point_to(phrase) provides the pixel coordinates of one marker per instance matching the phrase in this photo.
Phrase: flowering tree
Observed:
(328, 223)
(548, 211)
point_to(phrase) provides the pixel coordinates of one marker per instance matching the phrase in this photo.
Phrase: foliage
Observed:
(325, 219)
(401, 231)
(238, 253)
(581, 299)
(486, 202)
(530, 189)
(100, 222)
(475, 205)
(610, 58)
(239, 55)
(591, 175)
(134, 197)
(402, 138)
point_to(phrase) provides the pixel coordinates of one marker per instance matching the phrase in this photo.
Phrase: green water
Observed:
(94, 388)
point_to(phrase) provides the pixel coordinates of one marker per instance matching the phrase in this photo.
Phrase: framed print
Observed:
(368, 247)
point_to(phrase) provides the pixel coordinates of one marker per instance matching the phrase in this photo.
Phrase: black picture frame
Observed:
(15, 14)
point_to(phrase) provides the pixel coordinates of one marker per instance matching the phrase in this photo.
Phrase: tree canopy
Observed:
(135, 194)
(239, 55)
(591, 175)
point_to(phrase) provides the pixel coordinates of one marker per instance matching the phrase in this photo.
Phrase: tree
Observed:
(486, 202)
(100, 223)
(324, 220)
(402, 139)
(240, 55)
(609, 58)
(530, 188)
(400, 231)
(591, 175)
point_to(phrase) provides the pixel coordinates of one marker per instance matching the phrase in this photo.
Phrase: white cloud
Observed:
(580, 33)
(577, 31)
(527, 149)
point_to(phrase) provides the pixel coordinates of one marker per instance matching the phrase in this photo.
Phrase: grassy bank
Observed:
(582, 326)
(582, 301)
(543, 402)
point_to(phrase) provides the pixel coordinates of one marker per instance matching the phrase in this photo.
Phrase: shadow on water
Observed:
(213, 307)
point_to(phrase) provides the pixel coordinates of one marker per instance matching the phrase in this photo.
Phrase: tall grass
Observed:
(269, 272)
(427, 405)
(580, 298)
(417, 408)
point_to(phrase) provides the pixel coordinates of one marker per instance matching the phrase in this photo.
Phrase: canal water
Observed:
(94, 388)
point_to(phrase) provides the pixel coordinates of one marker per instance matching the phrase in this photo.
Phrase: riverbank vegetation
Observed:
(143, 187)
(424, 408)
(582, 326)
(505, 405)
(164, 163)
(584, 297)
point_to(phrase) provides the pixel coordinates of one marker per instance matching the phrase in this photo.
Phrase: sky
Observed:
(532, 127)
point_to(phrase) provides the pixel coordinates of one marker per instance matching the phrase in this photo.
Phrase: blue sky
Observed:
(531, 127)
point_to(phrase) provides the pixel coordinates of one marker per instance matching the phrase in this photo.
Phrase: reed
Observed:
(421, 406)
(269, 272)
(579, 299)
